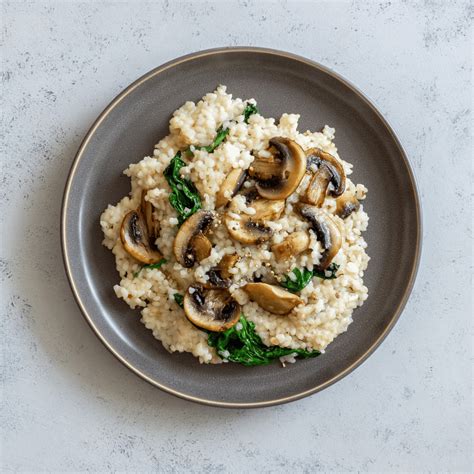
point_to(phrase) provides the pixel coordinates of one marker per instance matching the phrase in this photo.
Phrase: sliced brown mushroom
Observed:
(211, 309)
(279, 176)
(265, 168)
(326, 230)
(135, 239)
(226, 263)
(230, 186)
(153, 226)
(247, 231)
(252, 229)
(272, 298)
(330, 171)
(293, 245)
(315, 193)
(346, 205)
(190, 244)
(220, 276)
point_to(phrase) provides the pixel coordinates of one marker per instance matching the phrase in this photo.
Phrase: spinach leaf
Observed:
(184, 196)
(220, 137)
(151, 265)
(299, 281)
(249, 110)
(179, 298)
(302, 278)
(329, 273)
(243, 345)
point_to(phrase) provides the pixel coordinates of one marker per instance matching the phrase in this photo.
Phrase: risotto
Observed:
(241, 238)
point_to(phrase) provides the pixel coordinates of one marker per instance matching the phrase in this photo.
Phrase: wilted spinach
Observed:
(184, 196)
(220, 137)
(243, 345)
(249, 110)
(303, 277)
(179, 298)
(151, 265)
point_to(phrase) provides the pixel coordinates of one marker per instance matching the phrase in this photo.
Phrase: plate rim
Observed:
(156, 71)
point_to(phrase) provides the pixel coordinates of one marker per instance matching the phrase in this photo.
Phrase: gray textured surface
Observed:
(69, 405)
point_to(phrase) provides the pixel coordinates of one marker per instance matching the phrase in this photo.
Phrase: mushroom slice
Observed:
(267, 209)
(211, 309)
(326, 230)
(265, 168)
(135, 239)
(315, 193)
(252, 229)
(226, 263)
(190, 243)
(321, 159)
(293, 245)
(279, 183)
(272, 298)
(230, 186)
(247, 231)
(346, 205)
(153, 226)
(219, 276)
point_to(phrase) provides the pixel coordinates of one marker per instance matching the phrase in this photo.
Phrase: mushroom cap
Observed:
(346, 205)
(285, 179)
(338, 177)
(211, 309)
(190, 242)
(230, 186)
(327, 232)
(251, 229)
(272, 298)
(135, 238)
(293, 245)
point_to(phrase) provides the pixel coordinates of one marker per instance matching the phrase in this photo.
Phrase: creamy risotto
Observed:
(241, 238)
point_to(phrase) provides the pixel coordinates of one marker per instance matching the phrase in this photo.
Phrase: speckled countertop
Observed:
(68, 405)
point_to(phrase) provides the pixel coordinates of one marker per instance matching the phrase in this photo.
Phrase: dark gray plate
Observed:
(281, 82)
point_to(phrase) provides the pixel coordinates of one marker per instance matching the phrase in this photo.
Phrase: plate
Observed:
(280, 82)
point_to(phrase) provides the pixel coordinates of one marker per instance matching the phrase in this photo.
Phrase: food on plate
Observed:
(241, 238)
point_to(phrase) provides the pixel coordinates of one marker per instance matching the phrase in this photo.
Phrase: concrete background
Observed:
(68, 405)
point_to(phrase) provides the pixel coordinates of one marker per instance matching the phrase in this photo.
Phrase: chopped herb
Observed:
(302, 278)
(151, 265)
(244, 346)
(179, 298)
(184, 196)
(249, 110)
